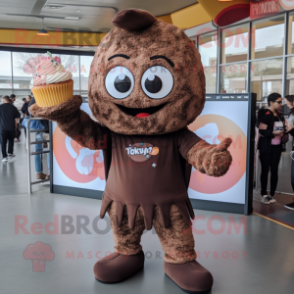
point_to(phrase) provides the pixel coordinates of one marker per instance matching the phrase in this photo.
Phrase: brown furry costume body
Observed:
(139, 42)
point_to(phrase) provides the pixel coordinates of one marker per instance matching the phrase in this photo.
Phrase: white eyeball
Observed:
(157, 82)
(119, 82)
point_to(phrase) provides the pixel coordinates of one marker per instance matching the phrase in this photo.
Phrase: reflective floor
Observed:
(245, 254)
(284, 183)
(14, 174)
(275, 211)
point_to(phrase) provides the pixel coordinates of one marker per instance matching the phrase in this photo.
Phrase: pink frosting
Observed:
(43, 69)
(40, 80)
(49, 71)
(46, 68)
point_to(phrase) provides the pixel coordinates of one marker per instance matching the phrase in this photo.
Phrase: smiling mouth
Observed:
(140, 112)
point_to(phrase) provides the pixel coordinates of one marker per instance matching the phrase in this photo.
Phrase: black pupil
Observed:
(153, 84)
(122, 83)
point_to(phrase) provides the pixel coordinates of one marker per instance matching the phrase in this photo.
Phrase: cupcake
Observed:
(52, 84)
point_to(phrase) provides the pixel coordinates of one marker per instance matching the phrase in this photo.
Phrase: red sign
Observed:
(261, 8)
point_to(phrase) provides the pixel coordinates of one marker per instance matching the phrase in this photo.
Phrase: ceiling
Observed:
(92, 15)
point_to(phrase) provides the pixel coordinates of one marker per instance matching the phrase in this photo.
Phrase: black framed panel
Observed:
(86, 193)
(218, 206)
(226, 206)
(51, 157)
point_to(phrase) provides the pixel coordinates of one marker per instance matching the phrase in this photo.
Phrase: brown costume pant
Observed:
(177, 241)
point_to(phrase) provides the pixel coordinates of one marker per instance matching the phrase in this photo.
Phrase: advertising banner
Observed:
(224, 115)
(263, 8)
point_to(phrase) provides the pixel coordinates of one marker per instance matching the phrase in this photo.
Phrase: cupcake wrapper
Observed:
(53, 94)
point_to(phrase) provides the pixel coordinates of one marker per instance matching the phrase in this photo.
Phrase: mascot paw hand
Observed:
(218, 159)
(60, 110)
(35, 110)
(44, 112)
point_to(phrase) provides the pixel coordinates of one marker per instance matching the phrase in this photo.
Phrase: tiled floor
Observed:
(245, 254)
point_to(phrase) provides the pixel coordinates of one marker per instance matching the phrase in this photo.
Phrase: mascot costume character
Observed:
(146, 85)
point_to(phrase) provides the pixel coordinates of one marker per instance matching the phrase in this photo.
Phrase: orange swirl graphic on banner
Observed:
(92, 164)
(226, 128)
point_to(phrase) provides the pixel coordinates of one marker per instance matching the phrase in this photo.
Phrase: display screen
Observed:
(222, 116)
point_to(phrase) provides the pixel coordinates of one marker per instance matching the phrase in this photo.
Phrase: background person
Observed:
(271, 124)
(8, 116)
(289, 101)
(40, 124)
(24, 108)
(25, 112)
(17, 130)
(12, 98)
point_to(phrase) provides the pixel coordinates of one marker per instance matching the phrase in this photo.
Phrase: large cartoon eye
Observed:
(157, 82)
(119, 82)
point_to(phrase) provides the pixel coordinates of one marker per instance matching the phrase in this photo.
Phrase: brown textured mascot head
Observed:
(146, 77)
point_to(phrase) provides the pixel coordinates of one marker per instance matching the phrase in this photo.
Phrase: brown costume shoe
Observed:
(115, 268)
(191, 277)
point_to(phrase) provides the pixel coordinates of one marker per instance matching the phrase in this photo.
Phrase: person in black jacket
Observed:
(271, 124)
(8, 116)
(25, 106)
(289, 101)
(17, 130)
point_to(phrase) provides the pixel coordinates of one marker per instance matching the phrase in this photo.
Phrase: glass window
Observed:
(24, 66)
(268, 37)
(5, 70)
(235, 44)
(208, 48)
(71, 63)
(290, 76)
(233, 78)
(85, 71)
(290, 49)
(266, 77)
(210, 78)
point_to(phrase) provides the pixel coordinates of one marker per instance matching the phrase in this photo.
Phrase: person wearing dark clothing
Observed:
(17, 130)
(8, 116)
(25, 113)
(12, 98)
(24, 108)
(289, 101)
(271, 124)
